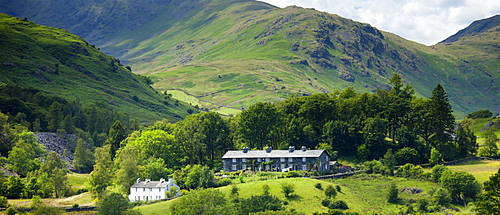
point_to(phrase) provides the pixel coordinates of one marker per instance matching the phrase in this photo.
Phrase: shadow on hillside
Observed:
(294, 197)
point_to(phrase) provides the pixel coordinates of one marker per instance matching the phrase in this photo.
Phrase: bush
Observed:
(11, 211)
(392, 193)
(339, 204)
(330, 191)
(326, 202)
(3, 202)
(318, 186)
(287, 188)
(224, 182)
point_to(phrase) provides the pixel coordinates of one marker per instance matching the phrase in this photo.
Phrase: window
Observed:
(143, 189)
(268, 159)
(159, 189)
(282, 160)
(244, 160)
(304, 160)
(290, 160)
(234, 160)
(136, 189)
(244, 166)
(268, 167)
(150, 189)
(283, 166)
(304, 167)
(233, 167)
(259, 160)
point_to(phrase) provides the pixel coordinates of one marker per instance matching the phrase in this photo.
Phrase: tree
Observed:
(55, 168)
(330, 191)
(208, 201)
(25, 154)
(258, 125)
(114, 204)
(461, 185)
(259, 203)
(466, 140)
(56, 116)
(159, 144)
(116, 135)
(392, 193)
(155, 169)
(287, 189)
(441, 197)
(480, 114)
(437, 171)
(194, 176)
(127, 163)
(487, 203)
(83, 157)
(101, 176)
(12, 188)
(389, 161)
(489, 148)
(435, 157)
(442, 122)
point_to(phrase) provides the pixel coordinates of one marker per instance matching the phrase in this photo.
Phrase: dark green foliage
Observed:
(260, 203)
(224, 182)
(490, 147)
(466, 140)
(3, 202)
(406, 155)
(338, 204)
(44, 210)
(410, 171)
(487, 202)
(11, 211)
(392, 193)
(194, 176)
(116, 135)
(441, 197)
(442, 121)
(337, 187)
(461, 185)
(318, 186)
(287, 189)
(83, 157)
(480, 114)
(330, 191)
(12, 188)
(437, 171)
(114, 204)
(326, 202)
(208, 201)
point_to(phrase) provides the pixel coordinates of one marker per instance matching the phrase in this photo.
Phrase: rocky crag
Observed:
(62, 144)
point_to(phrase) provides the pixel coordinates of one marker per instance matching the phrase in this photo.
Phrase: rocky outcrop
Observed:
(62, 144)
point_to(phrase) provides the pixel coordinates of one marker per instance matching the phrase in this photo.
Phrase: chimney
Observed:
(162, 180)
(291, 149)
(303, 148)
(245, 149)
(269, 149)
(148, 180)
(138, 180)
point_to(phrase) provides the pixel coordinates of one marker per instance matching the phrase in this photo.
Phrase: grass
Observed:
(481, 169)
(77, 180)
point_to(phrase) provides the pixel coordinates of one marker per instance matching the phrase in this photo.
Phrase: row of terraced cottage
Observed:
(257, 160)
(278, 160)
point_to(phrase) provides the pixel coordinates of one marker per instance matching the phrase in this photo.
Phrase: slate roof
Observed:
(274, 154)
(151, 184)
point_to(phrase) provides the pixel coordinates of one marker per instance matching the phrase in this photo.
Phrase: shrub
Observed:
(287, 188)
(337, 187)
(392, 193)
(224, 182)
(11, 211)
(326, 202)
(339, 204)
(3, 202)
(318, 186)
(330, 191)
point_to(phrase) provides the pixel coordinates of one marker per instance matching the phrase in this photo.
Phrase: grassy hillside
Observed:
(58, 62)
(234, 53)
(365, 194)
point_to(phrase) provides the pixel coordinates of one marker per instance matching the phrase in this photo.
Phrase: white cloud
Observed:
(423, 21)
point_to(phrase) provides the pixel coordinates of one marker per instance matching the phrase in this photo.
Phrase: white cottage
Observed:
(151, 190)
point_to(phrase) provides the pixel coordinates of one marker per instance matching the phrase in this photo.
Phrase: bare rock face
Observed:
(62, 144)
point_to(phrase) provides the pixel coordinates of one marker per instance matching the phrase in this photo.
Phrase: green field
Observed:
(365, 194)
(481, 169)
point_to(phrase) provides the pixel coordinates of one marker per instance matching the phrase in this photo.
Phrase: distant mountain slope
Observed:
(478, 26)
(57, 62)
(238, 52)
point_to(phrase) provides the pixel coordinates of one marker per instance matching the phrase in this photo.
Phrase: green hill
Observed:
(233, 53)
(60, 63)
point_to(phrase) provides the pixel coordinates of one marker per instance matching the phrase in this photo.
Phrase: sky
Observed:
(423, 21)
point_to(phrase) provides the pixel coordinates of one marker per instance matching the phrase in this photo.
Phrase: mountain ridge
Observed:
(238, 52)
